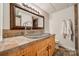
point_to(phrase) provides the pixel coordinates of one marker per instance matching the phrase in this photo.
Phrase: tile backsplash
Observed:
(12, 33)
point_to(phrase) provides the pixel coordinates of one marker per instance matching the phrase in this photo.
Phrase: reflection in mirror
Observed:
(21, 16)
(37, 22)
(40, 22)
(18, 20)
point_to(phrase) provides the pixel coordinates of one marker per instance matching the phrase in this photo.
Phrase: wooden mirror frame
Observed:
(12, 17)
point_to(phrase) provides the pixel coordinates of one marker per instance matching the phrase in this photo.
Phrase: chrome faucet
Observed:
(25, 25)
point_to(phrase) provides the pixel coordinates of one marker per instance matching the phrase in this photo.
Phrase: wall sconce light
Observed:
(30, 8)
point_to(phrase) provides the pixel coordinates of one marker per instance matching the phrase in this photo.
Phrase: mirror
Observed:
(24, 17)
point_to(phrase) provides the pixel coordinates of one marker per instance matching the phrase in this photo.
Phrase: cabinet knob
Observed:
(49, 46)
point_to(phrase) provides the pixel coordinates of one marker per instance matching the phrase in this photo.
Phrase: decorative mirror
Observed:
(19, 17)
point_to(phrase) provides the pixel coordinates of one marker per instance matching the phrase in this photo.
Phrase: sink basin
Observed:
(32, 37)
(36, 36)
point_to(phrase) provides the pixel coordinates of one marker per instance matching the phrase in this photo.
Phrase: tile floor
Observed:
(64, 52)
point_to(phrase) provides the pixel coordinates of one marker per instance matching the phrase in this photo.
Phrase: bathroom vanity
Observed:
(22, 46)
(22, 22)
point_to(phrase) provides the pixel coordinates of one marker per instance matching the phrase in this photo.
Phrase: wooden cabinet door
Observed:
(51, 46)
(50, 50)
(42, 52)
(29, 51)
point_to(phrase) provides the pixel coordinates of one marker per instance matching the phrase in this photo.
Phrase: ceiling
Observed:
(52, 7)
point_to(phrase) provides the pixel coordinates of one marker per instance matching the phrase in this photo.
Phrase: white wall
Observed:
(55, 23)
(1, 20)
(7, 17)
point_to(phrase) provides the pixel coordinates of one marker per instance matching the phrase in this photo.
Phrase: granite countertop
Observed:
(9, 43)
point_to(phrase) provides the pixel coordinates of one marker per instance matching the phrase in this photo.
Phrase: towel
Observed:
(69, 25)
(67, 29)
(64, 27)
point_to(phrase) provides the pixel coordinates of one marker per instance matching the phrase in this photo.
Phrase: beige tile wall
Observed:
(12, 33)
